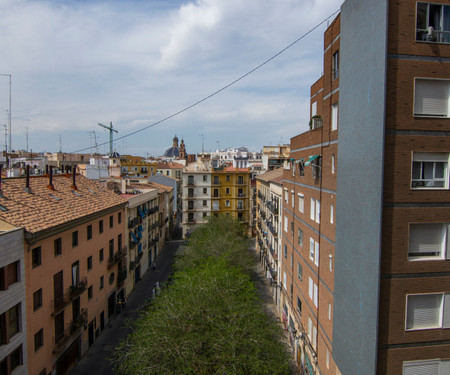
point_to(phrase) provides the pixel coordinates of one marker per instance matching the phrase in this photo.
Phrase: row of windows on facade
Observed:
(216, 179)
(240, 193)
(216, 205)
(36, 253)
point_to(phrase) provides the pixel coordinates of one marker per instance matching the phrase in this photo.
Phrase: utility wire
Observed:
(219, 90)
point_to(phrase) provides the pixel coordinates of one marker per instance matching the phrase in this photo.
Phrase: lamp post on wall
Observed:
(9, 120)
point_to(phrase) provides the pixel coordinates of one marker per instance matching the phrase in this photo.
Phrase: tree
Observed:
(209, 321)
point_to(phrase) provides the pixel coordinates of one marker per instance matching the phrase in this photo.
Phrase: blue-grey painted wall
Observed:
(167, 181)
(362, 87)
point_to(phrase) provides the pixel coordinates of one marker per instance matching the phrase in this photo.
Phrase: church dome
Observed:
(114, 154)
(172, 152)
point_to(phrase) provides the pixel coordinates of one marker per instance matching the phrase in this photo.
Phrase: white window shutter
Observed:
(311, 289)
(314, 339)
(317, 211)
(423, 311)
(431, 97)
(316, 295)
(313, 109)
(447, 241)
(316, 254)
(334, 117)
(421, 367)
(331, 214)
(446, 311)
(313, 209)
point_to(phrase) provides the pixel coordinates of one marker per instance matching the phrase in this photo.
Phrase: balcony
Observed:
(69, 295)
(121, 276)
(191, 183)
(133, 222)
(316, 122)
(72, 329)
(241, 195)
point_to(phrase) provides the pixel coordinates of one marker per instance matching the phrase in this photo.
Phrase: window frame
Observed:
(434, 158)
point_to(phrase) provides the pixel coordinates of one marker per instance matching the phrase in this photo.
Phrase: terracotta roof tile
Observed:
(43, 208)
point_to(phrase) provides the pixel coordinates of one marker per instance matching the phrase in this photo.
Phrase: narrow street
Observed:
(96, 360)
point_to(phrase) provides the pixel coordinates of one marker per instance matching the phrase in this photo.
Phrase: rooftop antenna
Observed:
(27, 138)
(95, 140)
(111, 130)
(6, 142)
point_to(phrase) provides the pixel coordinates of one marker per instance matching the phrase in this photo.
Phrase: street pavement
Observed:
(96, 360)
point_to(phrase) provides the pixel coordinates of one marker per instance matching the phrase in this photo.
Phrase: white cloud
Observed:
(74, 64)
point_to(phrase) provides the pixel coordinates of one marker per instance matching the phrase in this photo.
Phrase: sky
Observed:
(75, 64)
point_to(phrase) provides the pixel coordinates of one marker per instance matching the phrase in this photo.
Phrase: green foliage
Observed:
(209, 321)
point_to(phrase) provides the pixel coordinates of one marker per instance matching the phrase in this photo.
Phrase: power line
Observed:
(221, 89)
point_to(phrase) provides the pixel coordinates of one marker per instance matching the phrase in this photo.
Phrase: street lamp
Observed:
(9, 120)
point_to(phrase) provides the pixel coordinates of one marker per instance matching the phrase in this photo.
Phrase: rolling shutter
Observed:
(423, 311)
(426, 240)
(431, 97)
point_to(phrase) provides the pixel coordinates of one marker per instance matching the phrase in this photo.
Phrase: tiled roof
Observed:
(43, 208)
(153, 185)
(171, 165)
(275, 175)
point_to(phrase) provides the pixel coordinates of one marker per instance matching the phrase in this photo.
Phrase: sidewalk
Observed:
(96, 360)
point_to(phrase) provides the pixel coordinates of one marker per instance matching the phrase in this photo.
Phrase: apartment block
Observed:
(13, 325)
(210, 191)
(268, 226)
(368, 290)
(74, 232)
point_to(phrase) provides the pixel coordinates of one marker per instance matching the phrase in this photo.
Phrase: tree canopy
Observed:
(210, 320)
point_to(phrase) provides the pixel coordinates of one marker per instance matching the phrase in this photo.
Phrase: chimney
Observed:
(46, 170)
(74, 186)
(50, 179)
(27, 180)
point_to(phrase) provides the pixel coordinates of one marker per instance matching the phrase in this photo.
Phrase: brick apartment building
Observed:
(74, 239)
(365, 237)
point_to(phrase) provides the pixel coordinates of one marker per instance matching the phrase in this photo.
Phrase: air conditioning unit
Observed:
(316, 122)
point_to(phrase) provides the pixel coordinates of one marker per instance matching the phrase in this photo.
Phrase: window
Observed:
(36, 257)
(57, 246)
(111, 248)
(313, 109)
(299, 305)
(227, 178)
(433, 23)
(37, 299)
(14, 320)
(190, 193)
(240, 180)
(330, 262)
(430, 170)
(426, 311)
(329, 311)
(301, 167)
(427, 367)
(89, 263)
(100, 226)
(292, 198)
(286, 196)
(292, 228)
(90, 292)
(100, 255)
(205, 190)
(111, 221)
(119, 217)
(314, 251)
(38, 339)
(89, 232)
(300, 237)
(327, 360)
(315, 210)
(205, 178)
(216, 180)
(333, 164)
(428, 241)
(205, 202)
(316, 167)
(301, 202)
(284, 280)
(431, 97)
(299, 271)
(331, 214)
(205, 214)
(190, 205)
(334, 116)
(227, 190)
(216, 193)
(285, 224)
(216, 205)
(16, 358)
(102, 282)
(336, 65)
(285, 251)
(75, 238)
(190, 180)
(9, 275)
(227, 203)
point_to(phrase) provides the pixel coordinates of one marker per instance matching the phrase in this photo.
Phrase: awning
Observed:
(140, 229)
(139, 248)
(133, 237)
(139, 233)
(301, 160)
(311, 158)
(141, 212)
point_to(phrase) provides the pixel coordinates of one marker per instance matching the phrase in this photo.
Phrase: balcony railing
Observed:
(72, 329)
(69, 295)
